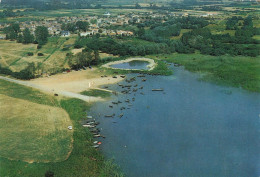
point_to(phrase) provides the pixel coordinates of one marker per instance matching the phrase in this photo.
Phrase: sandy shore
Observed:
(75, 82)
(151, 65)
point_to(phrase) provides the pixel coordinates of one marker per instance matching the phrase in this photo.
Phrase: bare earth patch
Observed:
(75, 81)
(33, 132)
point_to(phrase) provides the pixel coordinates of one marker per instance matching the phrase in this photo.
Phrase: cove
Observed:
(192, 128)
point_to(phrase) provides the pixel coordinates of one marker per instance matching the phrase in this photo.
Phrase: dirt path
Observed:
(63, 93)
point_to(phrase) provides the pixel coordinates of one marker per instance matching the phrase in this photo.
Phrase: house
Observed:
(65, 33)
(87, 33)
(107, 14)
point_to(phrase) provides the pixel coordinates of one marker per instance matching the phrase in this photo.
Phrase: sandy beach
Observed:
(151, 65)
(75, 82)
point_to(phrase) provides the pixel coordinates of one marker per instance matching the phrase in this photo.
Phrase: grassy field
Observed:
(40, 135)
(96, 93)
(236, 71)
(14, 55)
(78, 12)
(27, 144)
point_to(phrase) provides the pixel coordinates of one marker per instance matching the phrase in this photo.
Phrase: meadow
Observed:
(236, 71)
(41, 142)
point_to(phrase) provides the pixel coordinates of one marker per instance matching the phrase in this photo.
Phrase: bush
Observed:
(40, 54)
(49, 174)
(39, 46)
(77, 46)
(65, 49)
(30, 54)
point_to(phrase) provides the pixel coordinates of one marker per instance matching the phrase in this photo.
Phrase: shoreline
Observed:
(151, 64)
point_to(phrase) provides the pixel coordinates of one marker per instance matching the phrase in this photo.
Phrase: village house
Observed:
(64, 33)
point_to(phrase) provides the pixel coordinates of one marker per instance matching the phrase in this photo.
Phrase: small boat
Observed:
(95, 146)
(99, 143)
(95, 142)
(141, 76)
(157, 89)
(143, 80)
(89, 117)
(123, 76)
(89, 126)
(110, 115)
(97, 135)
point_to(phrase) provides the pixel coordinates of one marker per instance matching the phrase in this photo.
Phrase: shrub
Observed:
(40, 54)
(49, 174)
(39, 46)
(30, 54)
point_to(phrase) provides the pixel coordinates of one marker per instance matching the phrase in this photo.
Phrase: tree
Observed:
(141, 32)
(49, 174)
(16, 27)
(82, 25)
(41, 35)
(137, 6)
(12, 35)
(96, 58)
(20, 38)
(27, 36)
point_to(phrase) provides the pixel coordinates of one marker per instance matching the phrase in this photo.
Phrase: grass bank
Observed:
(83, 160)
(96, 93)
(236, 71)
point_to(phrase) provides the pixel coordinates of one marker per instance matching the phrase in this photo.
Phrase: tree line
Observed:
(13, 32)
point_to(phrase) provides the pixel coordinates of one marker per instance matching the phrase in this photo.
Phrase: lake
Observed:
(192, 128)
(134, 64)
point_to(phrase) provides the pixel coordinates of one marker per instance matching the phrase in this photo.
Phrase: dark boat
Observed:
(157, 89)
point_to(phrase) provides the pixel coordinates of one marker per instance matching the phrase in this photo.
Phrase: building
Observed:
(64, 33)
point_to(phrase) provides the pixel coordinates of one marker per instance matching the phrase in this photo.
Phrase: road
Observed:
(62, 93)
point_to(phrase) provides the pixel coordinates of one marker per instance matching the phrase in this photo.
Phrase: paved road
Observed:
(63, 93)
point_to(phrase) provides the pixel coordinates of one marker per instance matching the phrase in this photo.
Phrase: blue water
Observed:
(191, 129)
(135, 64)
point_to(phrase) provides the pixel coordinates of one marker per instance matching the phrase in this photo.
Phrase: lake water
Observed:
(192, 128)
(134, 64)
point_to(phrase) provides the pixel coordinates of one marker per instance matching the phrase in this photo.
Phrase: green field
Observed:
(14, 55)
(236, 71)
(32, 144)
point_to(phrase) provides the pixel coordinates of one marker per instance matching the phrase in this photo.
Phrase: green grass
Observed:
(22, 92)
(83, 160)
(40, 135)
(96, 93)
(236, 71)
